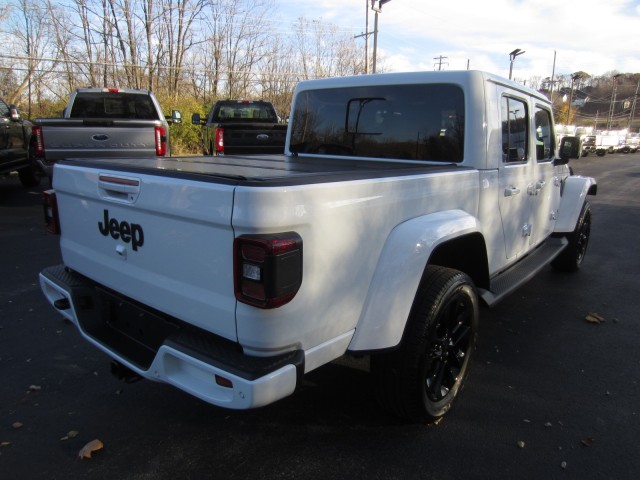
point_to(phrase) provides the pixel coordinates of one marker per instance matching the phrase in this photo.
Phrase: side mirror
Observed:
(176, 117)
(15, 113)
(570, 147)
(195, 119)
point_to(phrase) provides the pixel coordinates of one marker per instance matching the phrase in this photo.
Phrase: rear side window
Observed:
(515, 130)
(113, 105)
(544, 135)
(414, 122)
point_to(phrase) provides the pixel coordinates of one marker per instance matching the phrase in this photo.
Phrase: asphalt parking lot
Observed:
(550, 394)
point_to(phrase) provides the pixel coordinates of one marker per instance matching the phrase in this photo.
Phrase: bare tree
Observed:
(236, 34)
(323, 52)
(32, 41)
(177, 21)
(148, 22)
(277, 76)
(86, 36)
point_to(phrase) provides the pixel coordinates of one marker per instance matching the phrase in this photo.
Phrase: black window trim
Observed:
(546, 108)
(528, 119)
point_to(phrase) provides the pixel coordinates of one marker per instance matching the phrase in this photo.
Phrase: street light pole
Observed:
(512, 57)
(366, 38)
(375, 34)
(576, 76)
(377, 9)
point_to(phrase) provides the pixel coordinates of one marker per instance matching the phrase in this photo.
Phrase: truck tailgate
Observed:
(155, 240)
(72, 138)
(258, 135)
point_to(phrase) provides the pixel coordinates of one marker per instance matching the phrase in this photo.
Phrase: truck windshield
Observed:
(415, 122)
(113, 105)
(244, 111)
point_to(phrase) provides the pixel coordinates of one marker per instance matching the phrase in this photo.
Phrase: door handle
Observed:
(511, 191)
(535, 188)
(120, 189)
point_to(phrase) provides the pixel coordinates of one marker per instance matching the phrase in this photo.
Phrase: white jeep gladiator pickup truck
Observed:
(403, 203)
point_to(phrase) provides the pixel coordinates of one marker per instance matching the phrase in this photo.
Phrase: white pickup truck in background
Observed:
(103, 122)
(403, 203)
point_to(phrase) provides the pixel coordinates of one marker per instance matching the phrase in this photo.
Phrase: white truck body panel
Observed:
(359, 216)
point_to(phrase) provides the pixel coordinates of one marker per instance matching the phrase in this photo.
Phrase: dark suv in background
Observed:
(15, 135)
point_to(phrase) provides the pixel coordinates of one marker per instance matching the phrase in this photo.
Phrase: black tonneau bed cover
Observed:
(265, 170)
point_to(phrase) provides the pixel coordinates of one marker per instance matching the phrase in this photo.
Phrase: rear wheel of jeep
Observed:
(420, 380)
(572, 256)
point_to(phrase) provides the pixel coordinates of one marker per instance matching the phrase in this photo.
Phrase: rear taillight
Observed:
(161, 141)
(267, 269)
(51, 219)
(38, 142)
(219, 141)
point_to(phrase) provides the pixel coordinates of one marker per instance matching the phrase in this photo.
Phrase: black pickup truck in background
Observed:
(15, 135)
(241, 127)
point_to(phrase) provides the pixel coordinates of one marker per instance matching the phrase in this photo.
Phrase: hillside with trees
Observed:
(606, 102)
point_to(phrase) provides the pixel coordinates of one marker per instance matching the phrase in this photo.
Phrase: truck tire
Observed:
(571, 257)
(420, 380)
(30, 176)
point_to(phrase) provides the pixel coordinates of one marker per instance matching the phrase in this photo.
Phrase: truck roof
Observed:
(113, 90)
(461, 77)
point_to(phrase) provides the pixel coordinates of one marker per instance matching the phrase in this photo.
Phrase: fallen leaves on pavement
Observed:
(71, 434)
(594, 318)
(89, 448)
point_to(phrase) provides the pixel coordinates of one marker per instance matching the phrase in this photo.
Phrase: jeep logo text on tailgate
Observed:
(125, 231)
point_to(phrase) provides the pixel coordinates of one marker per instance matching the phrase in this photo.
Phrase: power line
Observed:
(144, 67)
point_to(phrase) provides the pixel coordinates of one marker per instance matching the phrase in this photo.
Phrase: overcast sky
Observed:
(595, 36)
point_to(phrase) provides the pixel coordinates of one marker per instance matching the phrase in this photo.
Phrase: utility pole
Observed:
(366, 36)
(553, 74)
(613, 100)
(440, 62)
(633, 106)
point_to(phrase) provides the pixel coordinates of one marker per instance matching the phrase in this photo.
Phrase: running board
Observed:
(522, 271)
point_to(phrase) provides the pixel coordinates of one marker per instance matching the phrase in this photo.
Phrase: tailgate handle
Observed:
(120, 189)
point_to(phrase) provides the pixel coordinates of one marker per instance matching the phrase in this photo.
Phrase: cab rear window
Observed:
(113, 105)
(244, 111)
(414, 122)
